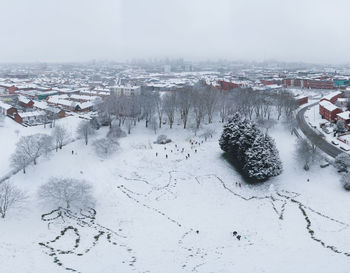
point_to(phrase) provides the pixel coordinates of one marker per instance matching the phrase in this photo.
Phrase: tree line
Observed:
(193, 105)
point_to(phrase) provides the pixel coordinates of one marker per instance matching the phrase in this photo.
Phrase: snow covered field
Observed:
(176, 215)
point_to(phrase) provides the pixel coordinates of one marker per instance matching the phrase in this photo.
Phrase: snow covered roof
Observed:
(331, 95)
(344, 115)
(327, 105)
(4, 105)
(23, 99)
(41, 105)
(31, 114)
(85, 105)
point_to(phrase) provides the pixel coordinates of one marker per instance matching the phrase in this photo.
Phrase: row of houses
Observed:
(39, 113)
(316, 83)
(330, 111)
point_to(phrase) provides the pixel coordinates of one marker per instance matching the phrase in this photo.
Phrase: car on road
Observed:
(344, 147)
(334, 142)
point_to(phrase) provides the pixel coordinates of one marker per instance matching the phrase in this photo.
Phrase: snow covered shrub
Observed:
(342, 162)
(162, 139)
(345, 180)
(105, 147)
(115, 132)
(207, 133)
(69, 193)
(254, 152)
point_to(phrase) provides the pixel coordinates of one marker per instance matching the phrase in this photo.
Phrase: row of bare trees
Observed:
(193, 105)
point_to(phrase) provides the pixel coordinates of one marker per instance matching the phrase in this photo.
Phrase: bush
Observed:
(345, 180)
(115, 132)
(162, 139)
(342, 162)
(105, 147)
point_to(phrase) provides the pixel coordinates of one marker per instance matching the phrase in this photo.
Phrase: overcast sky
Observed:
(82, 30)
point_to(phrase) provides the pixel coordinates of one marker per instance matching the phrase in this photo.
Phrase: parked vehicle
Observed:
(345, 147)
(335, 143)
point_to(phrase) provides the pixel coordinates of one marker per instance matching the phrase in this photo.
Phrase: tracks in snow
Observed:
(83, 219)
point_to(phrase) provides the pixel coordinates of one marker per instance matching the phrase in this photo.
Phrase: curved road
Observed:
(319, 141)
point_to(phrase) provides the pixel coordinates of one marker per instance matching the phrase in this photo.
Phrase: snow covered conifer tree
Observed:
(262, 159)
(231, 134)
(254, 152)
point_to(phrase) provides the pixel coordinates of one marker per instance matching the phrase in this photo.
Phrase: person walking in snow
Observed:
(72, 152)
(166, 156)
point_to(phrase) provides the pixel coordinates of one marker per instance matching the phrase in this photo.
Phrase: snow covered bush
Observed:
(162, 139)
(115, 132)
(342, 162)
(105, 147)
(345, 180)
(254, 152)
(69, 193)
(208, 132)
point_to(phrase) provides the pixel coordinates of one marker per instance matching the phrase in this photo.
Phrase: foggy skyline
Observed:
(81, 30)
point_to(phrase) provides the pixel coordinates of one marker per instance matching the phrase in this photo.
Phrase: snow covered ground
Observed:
(176, 215)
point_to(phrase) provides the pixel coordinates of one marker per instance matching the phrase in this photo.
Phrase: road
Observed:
(321, 143)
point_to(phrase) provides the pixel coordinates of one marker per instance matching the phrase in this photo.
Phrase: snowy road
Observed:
(313, 136)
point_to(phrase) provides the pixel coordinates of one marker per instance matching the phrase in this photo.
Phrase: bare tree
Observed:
(59, 134)
(306, 153)
(105, 147)
(226, 104)
(20, 160)
(128, 124)
(69, 193)
(148, 101)
(107, 109)
(199, 106)
(34, 146)
(159, 109)
(208, 133)
(169, 104)
(85, 130)
(154, 124)
(211, 99)
(184, 102)
(10, 198)
(115, 132)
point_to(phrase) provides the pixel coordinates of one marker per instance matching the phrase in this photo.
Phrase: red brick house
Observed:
(345, 116)
(18, 118)
(7, 109)
(223, 85)
(302, 100)
(332, 97)
(25, 102)
(328, 110)
(12, 89)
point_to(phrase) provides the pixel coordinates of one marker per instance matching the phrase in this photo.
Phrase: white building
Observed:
(126, 90)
